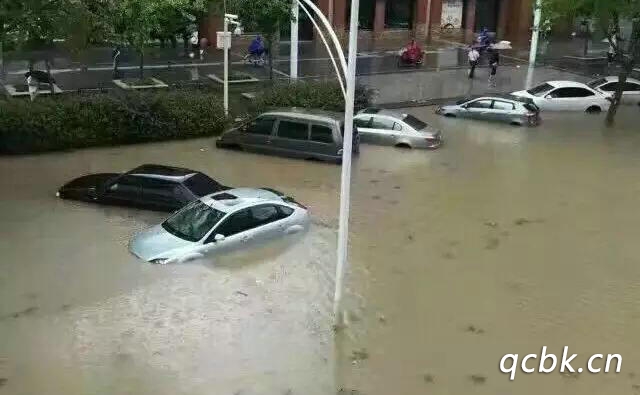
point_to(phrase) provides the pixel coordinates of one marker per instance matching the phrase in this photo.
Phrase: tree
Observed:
(266, 17)
(607, 15)
(137, 21)
(34, 24)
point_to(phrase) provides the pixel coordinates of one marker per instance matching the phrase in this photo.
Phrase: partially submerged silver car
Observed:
(387, 127)
(503, 108)
(220, 222)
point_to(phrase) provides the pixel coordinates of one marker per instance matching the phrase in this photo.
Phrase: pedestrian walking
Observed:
(474, 55)
(494, 60)
(34, 86)
(204, 43)
(194, 44)
(611, 52)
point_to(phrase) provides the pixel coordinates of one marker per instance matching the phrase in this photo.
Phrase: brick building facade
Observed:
(511, 19)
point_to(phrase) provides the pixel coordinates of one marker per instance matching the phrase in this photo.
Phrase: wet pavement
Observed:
(502, 241)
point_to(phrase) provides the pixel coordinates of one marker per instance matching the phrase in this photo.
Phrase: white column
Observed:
(293, 70)
(345, 185)
(225, 45)
(535, 31)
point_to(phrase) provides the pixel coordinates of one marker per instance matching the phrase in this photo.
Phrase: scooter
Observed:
(255, 59)
(404, 62)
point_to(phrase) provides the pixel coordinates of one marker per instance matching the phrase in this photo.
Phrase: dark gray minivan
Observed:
(293, 132)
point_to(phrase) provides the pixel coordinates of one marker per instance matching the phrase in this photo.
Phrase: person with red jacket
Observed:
(412, 53)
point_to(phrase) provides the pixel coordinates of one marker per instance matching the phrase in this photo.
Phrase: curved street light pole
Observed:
(345, 187)
(349, 72)
(339, 72)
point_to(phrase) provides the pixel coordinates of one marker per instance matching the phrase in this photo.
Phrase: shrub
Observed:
(313, 94)
(76, 121)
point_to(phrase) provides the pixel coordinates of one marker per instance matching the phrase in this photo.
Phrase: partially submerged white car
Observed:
(220, 222)
(608, 86)
(566, 96)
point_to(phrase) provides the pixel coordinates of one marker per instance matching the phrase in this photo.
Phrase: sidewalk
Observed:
(429, 86)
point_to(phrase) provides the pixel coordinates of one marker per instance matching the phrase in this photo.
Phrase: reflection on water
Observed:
(504, 240)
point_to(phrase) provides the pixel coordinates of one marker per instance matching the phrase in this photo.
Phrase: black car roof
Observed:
(171, 173)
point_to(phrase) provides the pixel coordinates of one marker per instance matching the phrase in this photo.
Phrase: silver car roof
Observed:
(309, 114)
(506, 97)
(381, 111)
(239, 198)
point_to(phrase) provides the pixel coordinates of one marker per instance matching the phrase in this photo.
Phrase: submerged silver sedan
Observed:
(221, 222)
(503, 108)
(386, 127)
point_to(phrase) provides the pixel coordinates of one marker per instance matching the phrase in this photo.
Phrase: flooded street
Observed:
(505, 240)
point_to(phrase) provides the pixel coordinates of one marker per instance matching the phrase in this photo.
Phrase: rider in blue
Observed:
(484, 39)
(256, 48)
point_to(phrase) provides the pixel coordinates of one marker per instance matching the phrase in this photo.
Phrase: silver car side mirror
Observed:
(218, 237)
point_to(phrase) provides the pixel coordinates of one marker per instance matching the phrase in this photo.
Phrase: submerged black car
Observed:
(153, 187)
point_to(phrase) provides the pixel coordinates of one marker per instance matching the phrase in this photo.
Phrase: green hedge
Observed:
(68, 121)
(77, 121)
(314, 94)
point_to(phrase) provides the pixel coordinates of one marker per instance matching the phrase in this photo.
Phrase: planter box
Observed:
(14, 92)
(251, 96)
(156, 84)
(248, 79)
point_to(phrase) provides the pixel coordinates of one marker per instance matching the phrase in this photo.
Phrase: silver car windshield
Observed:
(596, 83)
(540, 89)
(193, 221)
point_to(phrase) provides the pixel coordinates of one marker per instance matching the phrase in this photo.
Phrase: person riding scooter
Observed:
(412, 53)
(256, 51)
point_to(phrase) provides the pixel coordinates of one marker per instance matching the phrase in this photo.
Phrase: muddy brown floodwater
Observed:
(503, 241)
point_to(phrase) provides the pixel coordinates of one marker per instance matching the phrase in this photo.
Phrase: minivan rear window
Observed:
(321, 134)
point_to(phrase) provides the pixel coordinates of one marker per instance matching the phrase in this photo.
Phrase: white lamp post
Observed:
(535, 32)
(349, 72)
(345, 185)
(233, 19)
(293, 57)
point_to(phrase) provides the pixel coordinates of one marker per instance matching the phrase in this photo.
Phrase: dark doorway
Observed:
(366, 14)
(399, 14)
(305, 27)
(487, 15)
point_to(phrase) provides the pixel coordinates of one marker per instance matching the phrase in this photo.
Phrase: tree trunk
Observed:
(174, 42)
(627, 61)
(185, 41)
(270, 56)
(617, 96)
(141, 51)
(47, 65)
(1, 59)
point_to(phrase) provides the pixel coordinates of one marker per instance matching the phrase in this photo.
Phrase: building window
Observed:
(399, 14)
(367, 14)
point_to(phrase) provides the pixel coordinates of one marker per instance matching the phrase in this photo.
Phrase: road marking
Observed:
(280, 72)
